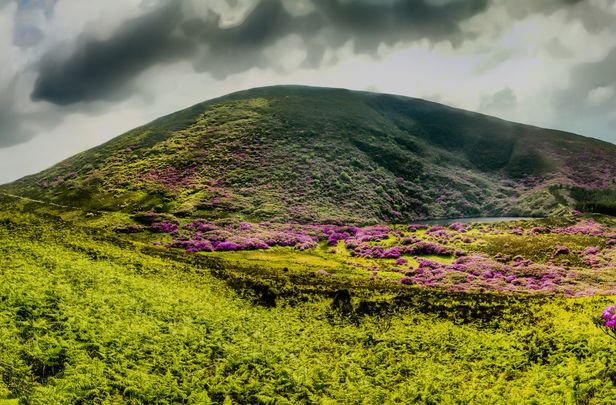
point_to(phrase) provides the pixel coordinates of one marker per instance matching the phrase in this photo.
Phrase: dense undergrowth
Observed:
(91, 316)
(603, 201)
(569, 255)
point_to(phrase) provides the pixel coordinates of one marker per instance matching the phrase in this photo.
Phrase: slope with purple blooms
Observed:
(319, 155)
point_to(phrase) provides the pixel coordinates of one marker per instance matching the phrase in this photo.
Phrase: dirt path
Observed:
(19, 197)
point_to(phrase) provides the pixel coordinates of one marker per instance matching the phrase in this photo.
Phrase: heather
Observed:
(90, 315)
(575, 256)
(315, 155)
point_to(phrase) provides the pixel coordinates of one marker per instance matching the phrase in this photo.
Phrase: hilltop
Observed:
(294, 153)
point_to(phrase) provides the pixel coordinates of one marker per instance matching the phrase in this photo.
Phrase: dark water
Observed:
(447, 221)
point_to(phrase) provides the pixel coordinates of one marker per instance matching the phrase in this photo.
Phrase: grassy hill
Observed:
(329, 155)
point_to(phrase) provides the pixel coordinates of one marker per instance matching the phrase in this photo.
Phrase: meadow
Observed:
(92, 315)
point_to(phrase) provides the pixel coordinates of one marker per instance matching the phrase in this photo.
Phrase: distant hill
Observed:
(329, 155)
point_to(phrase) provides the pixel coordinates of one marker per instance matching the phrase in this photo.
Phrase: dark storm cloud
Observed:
(98, 69)
(370, 24)
(102, 70)
(240, 47)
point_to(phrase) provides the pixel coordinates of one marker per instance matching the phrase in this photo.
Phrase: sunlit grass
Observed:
(87, 316)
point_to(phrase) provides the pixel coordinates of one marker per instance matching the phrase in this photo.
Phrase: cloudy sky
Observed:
(76, 73)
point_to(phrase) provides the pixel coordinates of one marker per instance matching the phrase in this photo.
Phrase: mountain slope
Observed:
(328, 155)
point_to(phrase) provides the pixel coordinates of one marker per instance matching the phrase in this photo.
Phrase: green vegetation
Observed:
(208, 257)
(602, 201)
(291, 153)
(89, 316)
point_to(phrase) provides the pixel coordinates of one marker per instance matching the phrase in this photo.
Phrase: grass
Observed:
(281, 258)
(90, 317)
(331, 156)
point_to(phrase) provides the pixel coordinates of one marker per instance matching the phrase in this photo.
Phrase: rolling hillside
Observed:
(293, 153)
(167, 265)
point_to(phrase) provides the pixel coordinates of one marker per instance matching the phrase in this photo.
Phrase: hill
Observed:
(294, 153)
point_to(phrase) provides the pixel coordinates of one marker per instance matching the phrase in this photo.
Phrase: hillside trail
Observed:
(19, 197)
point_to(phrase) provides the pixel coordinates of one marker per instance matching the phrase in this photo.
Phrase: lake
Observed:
(447, 221)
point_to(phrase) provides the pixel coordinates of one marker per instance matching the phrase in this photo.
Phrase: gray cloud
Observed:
(12, 129)
(31, 20)
(102, 70)
(18, 126)
(12, 132)
(586, 82)
(590, 99)
(81, 77)
(499, 101)
(522, 8)
(99, 69)
(371, 24)
(238, 48)
(593, 17)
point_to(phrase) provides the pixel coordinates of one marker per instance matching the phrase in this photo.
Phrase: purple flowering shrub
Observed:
(428, 248)
(409, 240)
(405, 280)
(208, 236)
(459, 227)
(607, 321)
(538, 230)
(164, 227)
(574, 260)
(201, 226)
(192, 246)
(517, 231)
(376, 252)
(335, 237)
(401, 261)
(172, 178)
(596, 258)
(609, 316)
(583, 227)
(479, 272)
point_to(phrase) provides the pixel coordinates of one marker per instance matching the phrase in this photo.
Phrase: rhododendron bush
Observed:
(407, 254)
(607, 321)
